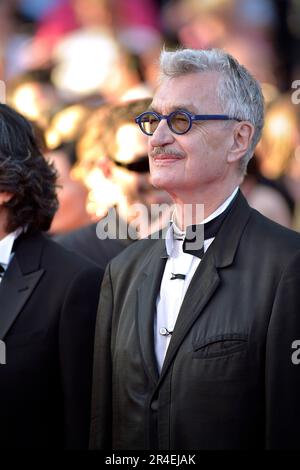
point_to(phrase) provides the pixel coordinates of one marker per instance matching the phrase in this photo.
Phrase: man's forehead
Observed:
(189, 92)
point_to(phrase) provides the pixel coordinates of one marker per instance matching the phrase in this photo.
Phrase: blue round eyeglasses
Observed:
(179, 122)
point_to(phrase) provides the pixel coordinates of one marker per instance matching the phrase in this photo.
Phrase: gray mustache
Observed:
(164, 151)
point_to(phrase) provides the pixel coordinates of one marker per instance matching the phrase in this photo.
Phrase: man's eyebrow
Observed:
(182, 106)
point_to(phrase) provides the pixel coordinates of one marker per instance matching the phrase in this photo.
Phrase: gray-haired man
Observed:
(193, 346)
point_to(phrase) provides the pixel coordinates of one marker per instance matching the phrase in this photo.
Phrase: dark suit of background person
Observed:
(228, 380)
(85, 242)
(48, 304)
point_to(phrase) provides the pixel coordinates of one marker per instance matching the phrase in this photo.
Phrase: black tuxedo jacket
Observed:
(48, 305)
(228, 380)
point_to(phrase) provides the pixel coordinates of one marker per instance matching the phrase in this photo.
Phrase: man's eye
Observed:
(180, 122)
(181, 119)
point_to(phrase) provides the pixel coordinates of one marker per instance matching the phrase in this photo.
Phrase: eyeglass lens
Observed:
(178, 122)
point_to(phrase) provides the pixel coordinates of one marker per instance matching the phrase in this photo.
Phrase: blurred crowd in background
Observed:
(80, 70)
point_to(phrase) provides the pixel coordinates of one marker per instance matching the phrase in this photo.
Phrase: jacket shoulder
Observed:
(85, 242)
(67, 260)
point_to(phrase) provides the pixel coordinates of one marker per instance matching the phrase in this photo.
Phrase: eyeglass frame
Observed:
(191, 117)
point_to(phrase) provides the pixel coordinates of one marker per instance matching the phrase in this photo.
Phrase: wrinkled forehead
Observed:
(195, 92)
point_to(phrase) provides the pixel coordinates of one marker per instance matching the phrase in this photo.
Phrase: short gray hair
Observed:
(239, 92)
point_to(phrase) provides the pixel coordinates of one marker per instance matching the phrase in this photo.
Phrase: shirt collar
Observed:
(174, 229)
(6, 245)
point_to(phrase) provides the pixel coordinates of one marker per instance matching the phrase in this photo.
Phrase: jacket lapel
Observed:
(147, 295)
(20, 280)
(206, 278)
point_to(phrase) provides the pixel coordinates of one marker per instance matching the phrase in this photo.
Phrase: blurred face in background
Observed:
(71, 195)
(131, 170)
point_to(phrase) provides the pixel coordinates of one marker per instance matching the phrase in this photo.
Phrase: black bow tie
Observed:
(194, 233)
(2, 270)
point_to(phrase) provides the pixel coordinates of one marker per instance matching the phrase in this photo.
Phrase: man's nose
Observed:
(162, 135)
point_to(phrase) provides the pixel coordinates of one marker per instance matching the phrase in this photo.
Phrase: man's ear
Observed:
(105, 164)
(242, 137)
(5, 197)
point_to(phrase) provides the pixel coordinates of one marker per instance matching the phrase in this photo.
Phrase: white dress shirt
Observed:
(6, 245)
(172, 292)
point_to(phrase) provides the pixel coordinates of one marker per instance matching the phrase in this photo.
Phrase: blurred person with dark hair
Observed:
(48, 302)
(113, 163)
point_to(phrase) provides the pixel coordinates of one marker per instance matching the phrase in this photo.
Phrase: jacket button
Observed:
(154, 405)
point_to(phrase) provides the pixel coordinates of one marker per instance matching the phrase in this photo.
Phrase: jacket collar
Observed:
(6, 247)
(21, 278)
